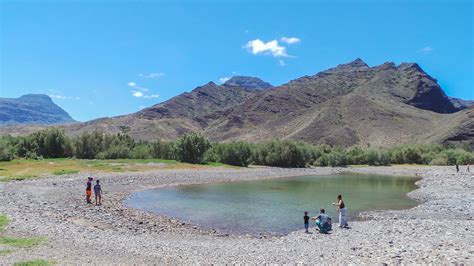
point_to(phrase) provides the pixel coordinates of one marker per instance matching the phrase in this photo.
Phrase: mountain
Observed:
(250, 83)
(37, 109)
(460, 103)
(351, 104)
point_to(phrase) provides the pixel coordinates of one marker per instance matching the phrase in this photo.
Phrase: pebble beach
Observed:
(439, 230)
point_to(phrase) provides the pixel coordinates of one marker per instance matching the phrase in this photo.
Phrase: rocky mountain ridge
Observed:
(36, 109)
(350, 104)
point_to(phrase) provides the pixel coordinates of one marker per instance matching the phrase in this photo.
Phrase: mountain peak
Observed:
(415, 66)
(357, 63)
(35, 98)
(353, 65)
(251, 83)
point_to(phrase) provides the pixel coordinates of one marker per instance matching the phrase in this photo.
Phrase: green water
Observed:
(274, 206)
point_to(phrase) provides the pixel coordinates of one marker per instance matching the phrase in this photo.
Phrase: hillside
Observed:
(32, 109)
(350, 104)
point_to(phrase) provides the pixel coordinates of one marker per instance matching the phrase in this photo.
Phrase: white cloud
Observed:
(290, 40)
(141, 107)
(137, 94)
(266, 48)
(224, 79)
(139, 91)
(281, 63)
(426, 50)
(140, 94)
(153, 75)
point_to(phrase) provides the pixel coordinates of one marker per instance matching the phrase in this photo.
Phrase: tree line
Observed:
(195, 148)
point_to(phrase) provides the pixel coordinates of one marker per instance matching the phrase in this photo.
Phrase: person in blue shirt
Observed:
(323, 222)
(98, 193)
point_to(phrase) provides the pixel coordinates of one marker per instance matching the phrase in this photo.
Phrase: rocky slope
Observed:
(37, 109)
(351, 104)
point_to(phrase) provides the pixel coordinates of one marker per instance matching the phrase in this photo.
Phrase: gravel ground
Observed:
(439, 230)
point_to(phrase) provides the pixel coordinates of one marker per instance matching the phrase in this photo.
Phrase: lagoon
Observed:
(274, 206)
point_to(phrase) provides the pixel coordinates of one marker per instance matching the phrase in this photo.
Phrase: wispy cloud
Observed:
(151, 96)
(62, 97)
(139, 92)
(224, 79)
(272, 48)
(290, 40)
(141, 107)
(281, 63)
(153, 75)
(426, 50)
(136, 87)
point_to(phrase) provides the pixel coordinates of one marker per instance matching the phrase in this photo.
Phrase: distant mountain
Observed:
(33, 109)
(250, 83)
(351, 104)
(460, 103)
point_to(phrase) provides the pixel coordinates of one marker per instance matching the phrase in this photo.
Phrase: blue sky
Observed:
(106, 58)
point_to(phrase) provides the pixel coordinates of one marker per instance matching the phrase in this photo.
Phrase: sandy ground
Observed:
(439, 230)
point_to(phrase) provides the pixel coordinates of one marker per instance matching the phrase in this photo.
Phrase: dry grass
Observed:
(26, 169)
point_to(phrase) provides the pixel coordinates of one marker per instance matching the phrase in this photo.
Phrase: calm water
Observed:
(274, 206)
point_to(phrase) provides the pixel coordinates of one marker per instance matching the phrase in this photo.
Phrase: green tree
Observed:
(192, 147)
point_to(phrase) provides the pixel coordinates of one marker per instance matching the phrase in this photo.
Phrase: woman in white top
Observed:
(341, 208)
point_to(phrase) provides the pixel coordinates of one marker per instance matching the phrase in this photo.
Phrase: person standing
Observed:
(89, 190)
(98, 193)
(457, 168)
(306, 222)
(467, 168)
(341, 208)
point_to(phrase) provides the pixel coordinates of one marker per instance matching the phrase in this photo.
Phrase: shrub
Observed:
(441, 159)
(337, 158)
(377, 157)
(141, 151)
(234, 153)
(7, 152)
(282, 154)
(191, 148)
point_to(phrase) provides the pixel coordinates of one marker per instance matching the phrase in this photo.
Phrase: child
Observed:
(306, 222)
(97, 193)
(89, 190)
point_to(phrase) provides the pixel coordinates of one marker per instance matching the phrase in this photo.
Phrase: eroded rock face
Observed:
(36, 109)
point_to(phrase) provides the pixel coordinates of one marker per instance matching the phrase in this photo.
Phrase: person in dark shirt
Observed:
(342, 209)
(98, 193)
(89, 190)
(306, 222)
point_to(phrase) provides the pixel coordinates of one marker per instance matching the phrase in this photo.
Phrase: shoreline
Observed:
(113, 233)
